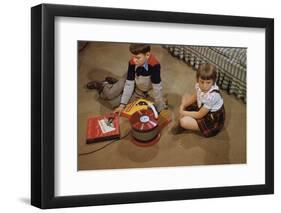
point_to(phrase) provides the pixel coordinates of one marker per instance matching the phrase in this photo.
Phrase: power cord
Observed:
(108, 143)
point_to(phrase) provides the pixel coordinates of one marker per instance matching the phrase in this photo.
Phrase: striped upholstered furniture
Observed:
(230, 62)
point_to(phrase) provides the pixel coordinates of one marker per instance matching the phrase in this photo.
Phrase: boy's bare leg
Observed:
(188, 122)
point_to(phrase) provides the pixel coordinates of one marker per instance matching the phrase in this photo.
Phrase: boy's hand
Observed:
(119, 109)
(160, 106)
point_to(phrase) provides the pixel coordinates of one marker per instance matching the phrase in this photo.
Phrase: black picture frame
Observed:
(43, 105)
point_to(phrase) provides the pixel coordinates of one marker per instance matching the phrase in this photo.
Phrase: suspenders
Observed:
(217, 91)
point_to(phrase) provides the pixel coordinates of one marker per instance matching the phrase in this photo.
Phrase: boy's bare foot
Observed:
(177, 130)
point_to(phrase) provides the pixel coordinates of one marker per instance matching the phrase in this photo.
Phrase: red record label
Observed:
(143, 120)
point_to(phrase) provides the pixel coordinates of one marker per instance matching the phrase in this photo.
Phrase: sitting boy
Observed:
(204, 110)
(143, 75)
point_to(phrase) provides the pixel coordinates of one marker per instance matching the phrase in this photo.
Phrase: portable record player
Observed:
(145, 128)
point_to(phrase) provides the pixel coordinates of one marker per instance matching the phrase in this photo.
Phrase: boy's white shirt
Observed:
(210, 100)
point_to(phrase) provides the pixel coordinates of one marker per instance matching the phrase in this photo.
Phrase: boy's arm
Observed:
(158, 97)
(127, 92)
(157, 88)
(129, 85)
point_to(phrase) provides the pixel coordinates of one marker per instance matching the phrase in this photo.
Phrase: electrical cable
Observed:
(108, 143)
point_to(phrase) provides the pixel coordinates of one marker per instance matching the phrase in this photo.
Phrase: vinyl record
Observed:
(145, 129)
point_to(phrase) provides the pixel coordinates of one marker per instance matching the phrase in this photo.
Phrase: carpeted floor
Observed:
(98, 60)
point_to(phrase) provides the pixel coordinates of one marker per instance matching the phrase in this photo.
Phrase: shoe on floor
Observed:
(98, 85)
(111, 80)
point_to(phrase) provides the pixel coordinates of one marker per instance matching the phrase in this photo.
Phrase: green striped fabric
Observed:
(231, 64)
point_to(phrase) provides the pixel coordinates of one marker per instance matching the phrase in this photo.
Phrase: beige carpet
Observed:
(98, 60)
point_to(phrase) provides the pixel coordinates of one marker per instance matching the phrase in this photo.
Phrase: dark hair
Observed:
(139, 48)
(207, 72)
